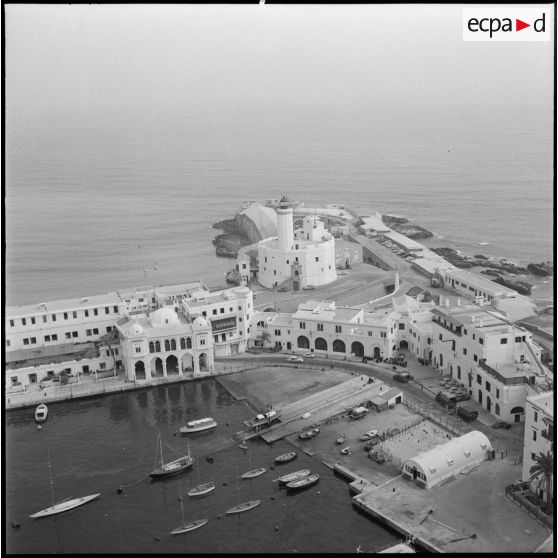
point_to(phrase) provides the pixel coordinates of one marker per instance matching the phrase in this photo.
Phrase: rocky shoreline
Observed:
(230, 241)
(402, 226)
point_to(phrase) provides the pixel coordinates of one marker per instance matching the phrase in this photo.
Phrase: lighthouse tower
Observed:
(285, 230)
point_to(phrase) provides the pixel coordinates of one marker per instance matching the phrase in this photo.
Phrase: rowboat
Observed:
(202, 489)
(199, 425)
(285, 457)
(185, 528)
(41, 413)
(244, 507)
(294, 476)
(347, 450)
(369, 435)
(311, 433)
(253, 473)
(171, 468)
(65, 505)
(304, 482)
(341, 439)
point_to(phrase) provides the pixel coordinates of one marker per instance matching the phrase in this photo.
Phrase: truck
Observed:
(467, 413)
(447, 398)
(264, 420)
(357, 413)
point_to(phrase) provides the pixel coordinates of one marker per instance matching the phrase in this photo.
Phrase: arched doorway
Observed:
(187, 362)
(139, 370)
(488, 403)
(517, 412)
(338, 346)
(302, 342)
(289, 346)
(480, 396)
(203, 362)
(377, 353)
(403, 344)
(172, 364)
(156, 367)
(357, 349)
(320, 344)
(497, 409)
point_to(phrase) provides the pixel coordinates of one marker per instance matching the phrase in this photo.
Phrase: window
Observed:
(204, 313)
(109, 328)
(487, 386)
(202, 341)
(338, 329)
(74, 333)
(86, 312)
(26, 341)
(473, 336)
(107, 310)
(115, 308)
(481, 340)
(464, 332)
(74, 314)
(54, 337)
(96, 311)
(440, 336)
(518, 339)
(497, 393)
(216, 338)
(138, 349)
(320, 327)
(214, 311)
(95, 331)
(504, 341)
(33, 319)
(384, 334)
(223, 336)
(278, 332)
(302, 325)
(317, 259)
(265, 259)
(230, 309)
(47, 338)
(87, 332)
(65, 315)
(401, 326)
(239, 319)
(23, 321)
(533, 456)
(464, 351)
(536, 416)
(222, 310)
(479, 379)
(44, 319)
(534, 435)
(475, 358)
(68, 335)
(370, 333)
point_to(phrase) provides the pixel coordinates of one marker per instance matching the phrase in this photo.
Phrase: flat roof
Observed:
(480, 282)
(67, 304)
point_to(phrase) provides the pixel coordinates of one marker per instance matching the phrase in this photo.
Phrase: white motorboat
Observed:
(199, 425)
(41, 413)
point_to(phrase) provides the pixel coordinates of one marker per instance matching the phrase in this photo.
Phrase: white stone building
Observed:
(76, 320)
(539, 435)
(301, 258)
(165, 343)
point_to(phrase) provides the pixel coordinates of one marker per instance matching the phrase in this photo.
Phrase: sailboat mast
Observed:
(50, 476)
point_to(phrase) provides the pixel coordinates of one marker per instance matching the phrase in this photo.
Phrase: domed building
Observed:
(165, 343)
(296, 258)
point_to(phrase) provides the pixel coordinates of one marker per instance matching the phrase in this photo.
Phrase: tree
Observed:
(264, 336)
(544, 469)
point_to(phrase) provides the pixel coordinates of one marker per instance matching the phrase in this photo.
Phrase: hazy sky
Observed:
(147, 55)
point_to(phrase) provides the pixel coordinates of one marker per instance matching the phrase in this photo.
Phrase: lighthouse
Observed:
(285, 230)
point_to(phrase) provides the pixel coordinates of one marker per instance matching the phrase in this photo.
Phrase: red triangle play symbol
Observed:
(519, 25)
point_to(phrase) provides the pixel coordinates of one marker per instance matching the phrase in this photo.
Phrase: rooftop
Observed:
(479, 282)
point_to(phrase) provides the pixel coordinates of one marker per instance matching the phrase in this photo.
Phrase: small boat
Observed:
(311, 433)
(347, 450)
(341, 439)
(304, 482)
(65, 505)
(369, 435)
(244, 507)
(285, 479)
(41, 413)
(253, 473)
(199, 425)
(185, 528)
(175, 467)
(202, 489)
(285, 457)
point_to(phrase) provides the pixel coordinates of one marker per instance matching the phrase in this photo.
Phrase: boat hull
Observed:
(285, 479)
(189, 527)
(171, 469)
(41, 413)
(286, 457)
(198, 426)
(65, 506)
(201, 490)
(244, 507)
(253, 473)
(303, 483)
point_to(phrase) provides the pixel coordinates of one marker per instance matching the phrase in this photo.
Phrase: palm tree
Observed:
(544, 469)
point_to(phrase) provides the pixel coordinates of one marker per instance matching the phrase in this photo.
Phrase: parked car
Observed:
(467, 413)
(403, 377)
(308, 288)
(310, 355)
(295, 358)
(502, 424)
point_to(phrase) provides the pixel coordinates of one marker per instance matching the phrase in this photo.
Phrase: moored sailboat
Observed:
(201, 489)
(175, 467)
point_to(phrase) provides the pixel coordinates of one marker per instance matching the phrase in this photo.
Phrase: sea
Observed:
(104, 200)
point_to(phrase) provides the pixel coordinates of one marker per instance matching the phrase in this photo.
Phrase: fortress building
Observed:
(297, 259)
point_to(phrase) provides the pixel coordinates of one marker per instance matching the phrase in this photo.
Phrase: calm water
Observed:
(94, 199)
(100, 444)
